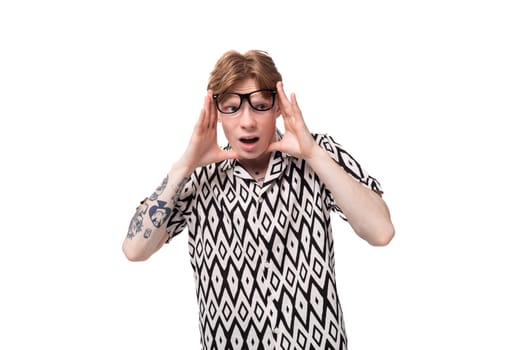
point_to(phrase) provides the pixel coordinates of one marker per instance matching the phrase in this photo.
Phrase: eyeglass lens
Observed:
(259, 100)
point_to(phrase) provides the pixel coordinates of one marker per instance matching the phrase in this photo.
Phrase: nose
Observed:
(246, 117)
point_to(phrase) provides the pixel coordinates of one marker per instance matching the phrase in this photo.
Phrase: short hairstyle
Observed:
(233, 67)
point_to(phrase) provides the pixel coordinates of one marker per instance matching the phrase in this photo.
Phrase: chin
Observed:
(250, 155)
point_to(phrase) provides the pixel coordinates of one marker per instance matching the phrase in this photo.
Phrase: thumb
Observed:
(229, 154)
(275, 146)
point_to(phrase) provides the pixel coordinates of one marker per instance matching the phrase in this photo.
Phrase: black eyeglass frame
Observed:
(247, 97)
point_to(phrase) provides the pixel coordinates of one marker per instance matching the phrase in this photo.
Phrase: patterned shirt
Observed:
(263, 254)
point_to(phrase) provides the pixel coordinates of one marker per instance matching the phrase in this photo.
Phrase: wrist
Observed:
(316, 153)
(182, 167)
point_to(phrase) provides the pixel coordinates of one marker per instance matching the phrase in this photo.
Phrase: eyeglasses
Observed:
(259, 100)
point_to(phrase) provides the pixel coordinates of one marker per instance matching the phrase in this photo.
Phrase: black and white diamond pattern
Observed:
(263, 256)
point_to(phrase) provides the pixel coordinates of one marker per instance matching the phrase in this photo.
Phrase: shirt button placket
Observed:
(269, 298)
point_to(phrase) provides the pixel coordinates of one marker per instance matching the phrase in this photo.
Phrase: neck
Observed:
(256, 167)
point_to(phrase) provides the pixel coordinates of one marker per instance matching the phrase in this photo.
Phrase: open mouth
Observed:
(249, 140)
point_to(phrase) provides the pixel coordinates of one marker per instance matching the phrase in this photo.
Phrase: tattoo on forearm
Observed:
(159, 213)
(135, 226)
(159, 190)
(179, 188)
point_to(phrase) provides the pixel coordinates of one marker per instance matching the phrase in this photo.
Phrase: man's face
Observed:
(250, 131)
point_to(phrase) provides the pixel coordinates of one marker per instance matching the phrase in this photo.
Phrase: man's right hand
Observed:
(203, 148)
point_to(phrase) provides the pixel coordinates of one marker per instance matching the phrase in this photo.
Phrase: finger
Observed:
(295, 106)
(204, 117)
(209, 110)
(282, 98)
(213, 111)
(199, 125)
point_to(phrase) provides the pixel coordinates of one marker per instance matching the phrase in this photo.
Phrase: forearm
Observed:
(148, 228)
(364, 209)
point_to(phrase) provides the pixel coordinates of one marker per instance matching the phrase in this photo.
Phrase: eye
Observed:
(229, 109)
(262, 107)
(262, 101)
(229, 103)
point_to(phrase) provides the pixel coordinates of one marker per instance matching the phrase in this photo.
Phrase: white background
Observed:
(98, 99)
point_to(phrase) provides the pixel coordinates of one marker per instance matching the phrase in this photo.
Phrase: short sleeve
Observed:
(177, 221)
(349, 164)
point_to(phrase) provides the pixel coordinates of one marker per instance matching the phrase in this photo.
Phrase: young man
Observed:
(258, 212)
